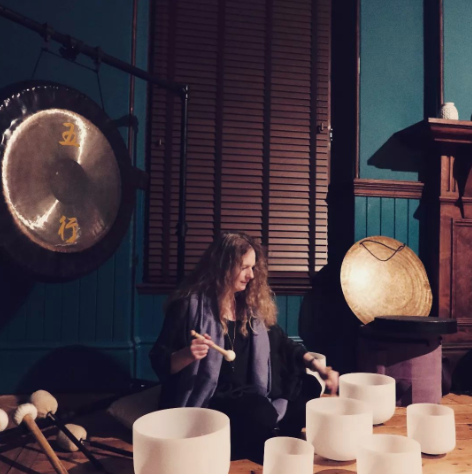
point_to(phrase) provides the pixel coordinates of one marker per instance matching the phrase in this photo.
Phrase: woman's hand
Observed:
(330, 376)
(199, 347)
(331, 379)
(197, 350)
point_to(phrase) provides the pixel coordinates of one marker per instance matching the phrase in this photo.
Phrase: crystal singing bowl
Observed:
(334, 425)
(377, 390)
(284, 455)
(388, 454)
(182, 441)
(321, 358)
(433, 426)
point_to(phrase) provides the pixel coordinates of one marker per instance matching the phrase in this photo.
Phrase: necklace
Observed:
(232, 342)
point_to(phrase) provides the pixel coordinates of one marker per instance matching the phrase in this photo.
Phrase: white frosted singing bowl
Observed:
(321, 358)
(388, 454)
(377, 390)
(284, 455)
(433, 426)
(182, 441)
(333, 426)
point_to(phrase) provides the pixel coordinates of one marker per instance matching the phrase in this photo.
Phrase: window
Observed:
(258, 132)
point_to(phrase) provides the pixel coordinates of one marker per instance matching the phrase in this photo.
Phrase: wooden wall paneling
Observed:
(52, 313)
(393, 217)
(293, 311)
(145, 333)
(401, 223)
(360, 205)
(373, 216)
(16, 327)
(88, 308)
(36, 314)
(387, 216)
(461, 297)
(105, 301)
(70, 311)
(414, 217)
(122, 310)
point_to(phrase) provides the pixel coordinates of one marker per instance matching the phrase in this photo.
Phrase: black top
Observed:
(286, 356)
(235, 374)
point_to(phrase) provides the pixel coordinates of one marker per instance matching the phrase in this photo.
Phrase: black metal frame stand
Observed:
(76, 47)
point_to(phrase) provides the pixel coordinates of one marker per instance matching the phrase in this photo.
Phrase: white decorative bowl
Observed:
(388, 454)
(433, 426)
(284, 455)
(321, 358)
(333, 426)
(377, 390)
(182, 441)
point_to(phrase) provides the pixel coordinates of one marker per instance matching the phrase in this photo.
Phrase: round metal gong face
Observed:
(380, 276)
(66, 187)
(61, 181)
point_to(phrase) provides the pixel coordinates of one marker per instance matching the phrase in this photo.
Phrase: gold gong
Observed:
(380, 276)
(61, 181)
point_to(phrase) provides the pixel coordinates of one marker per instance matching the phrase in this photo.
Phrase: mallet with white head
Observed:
(228, 355)
(26, 414)
(3, 420)
(47, 406)
(79, 432)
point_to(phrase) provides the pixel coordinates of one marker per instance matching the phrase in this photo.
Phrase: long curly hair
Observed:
(214, 276)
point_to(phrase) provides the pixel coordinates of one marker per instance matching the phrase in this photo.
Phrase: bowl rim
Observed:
(415, 445)
(360, 404)
(387, 378)
(415, 409)
(224, 421)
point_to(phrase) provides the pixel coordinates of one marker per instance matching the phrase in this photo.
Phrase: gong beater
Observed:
(68, 186)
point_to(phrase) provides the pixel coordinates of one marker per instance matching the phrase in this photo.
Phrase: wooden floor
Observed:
(22, 455)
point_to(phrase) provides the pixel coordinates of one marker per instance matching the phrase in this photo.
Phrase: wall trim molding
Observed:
(388, 188)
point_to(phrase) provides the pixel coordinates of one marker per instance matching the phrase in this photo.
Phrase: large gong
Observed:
(380, 276)
(66, 181)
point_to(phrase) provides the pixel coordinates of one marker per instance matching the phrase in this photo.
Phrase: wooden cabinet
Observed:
(447, 227)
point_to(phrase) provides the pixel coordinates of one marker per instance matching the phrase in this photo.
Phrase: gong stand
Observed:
(73, 47)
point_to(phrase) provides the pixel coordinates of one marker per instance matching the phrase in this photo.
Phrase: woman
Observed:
(227, 299)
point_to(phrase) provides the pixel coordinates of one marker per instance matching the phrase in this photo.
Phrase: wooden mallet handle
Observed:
(228, 355)
(45, 446)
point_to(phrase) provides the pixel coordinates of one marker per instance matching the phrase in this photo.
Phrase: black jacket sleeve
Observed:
(175, 335)
(287, 364)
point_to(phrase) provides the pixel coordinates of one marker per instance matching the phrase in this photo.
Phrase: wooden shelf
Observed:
(449, 131)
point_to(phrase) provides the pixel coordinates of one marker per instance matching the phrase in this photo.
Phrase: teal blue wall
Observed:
(391, 86)
(458, 55)
(392, 97)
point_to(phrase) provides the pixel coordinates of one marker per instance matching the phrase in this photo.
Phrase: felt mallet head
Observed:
(44, 402)
(63, 440)
(3, 420)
